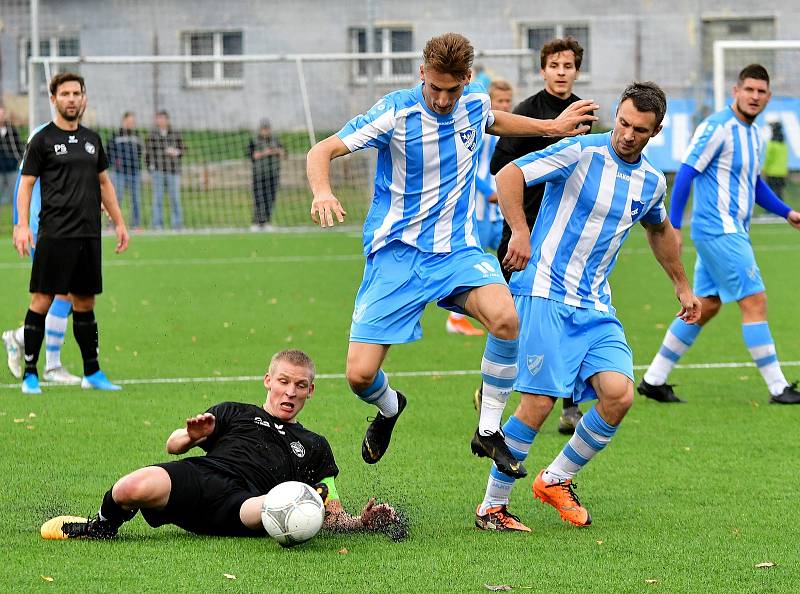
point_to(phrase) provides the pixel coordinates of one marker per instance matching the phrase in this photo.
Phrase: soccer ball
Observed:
(292, 513)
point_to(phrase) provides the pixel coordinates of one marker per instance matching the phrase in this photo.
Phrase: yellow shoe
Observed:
(562, 496)
(51, 529)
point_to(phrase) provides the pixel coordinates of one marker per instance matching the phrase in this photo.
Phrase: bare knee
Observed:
(146, 487)
(754, 308)
(359, 375)
(616, 399)
(82, 303)
(40, 302)
(504, 325)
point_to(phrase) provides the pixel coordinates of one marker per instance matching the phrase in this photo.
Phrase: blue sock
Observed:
(591, 436)
(519, 438)
(498, 370)
(55, 328)
(677, 341)
(758, 340)
(381, 395)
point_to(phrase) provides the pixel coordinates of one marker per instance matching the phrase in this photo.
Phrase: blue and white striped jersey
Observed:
(485, 184)
(591, 201)
(425, 179)
(728, 155)
(36, 194)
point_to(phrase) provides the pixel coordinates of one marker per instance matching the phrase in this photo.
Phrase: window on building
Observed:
(717, 29)
(536, 36)
(388, 40)
(214, 43)
(48, 47)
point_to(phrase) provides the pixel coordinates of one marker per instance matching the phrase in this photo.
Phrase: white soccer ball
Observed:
(292, 513)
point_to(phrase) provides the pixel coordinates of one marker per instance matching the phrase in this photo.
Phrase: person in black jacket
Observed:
(164, 150)
(249, 449)
(560, 66)
(125, 150)
(11, 150)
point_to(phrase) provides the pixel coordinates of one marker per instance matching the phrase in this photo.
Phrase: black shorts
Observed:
(62, 266)
(203, 500)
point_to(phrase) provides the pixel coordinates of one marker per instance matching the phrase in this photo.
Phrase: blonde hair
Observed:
(499, 84)
(295, 357)
(450, 53)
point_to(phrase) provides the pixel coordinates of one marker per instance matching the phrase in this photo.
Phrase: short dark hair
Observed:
(451, 53)
(162, 112)
(756, 71)
(646, 96)
(65, 77)
(127, 114)
(567, 44)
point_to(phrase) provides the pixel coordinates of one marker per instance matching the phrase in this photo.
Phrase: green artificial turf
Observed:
(688, 498)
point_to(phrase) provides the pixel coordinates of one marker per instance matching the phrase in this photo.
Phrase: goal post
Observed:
(218, 103)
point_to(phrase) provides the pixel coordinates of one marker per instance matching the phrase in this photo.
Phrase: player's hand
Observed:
(575, 119)
(793, 219)
(377, 516)
(690, 306)
(23, 239)
(324, 207)
(493, 198)
(200, 426)
(122, 238)
(519, 252)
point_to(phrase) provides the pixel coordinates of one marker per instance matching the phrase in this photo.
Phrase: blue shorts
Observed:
(400, 280)
(562, 346)
(489, 233)
(726, 268)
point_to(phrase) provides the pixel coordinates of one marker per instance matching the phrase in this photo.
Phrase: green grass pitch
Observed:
(688, 498)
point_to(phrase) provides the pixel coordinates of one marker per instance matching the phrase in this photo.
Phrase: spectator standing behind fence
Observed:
(11, 150)
(164, 150)
(125, 156)
(776, 160)
(265, 152)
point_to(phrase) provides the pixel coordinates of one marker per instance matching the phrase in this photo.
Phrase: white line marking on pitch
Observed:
(338, 376)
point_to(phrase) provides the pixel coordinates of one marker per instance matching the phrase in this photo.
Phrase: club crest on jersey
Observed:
(534, 363)
(470, 138)
(297, 449)
(89, 148)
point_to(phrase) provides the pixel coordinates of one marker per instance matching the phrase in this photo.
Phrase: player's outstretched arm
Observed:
(108, 198)
(510, 184)
(574, 120)
(318, 166)
(197, 429)
(374, 517)
(23, 238)
(666, 245)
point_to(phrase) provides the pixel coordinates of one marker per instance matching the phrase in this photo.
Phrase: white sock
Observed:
(493, 403)
(55, 328)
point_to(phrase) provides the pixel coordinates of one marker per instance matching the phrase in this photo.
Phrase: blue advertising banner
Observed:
(666, 150)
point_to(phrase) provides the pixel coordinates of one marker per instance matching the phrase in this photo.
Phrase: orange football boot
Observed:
(458, 325)
(498, 518)
(562, 496)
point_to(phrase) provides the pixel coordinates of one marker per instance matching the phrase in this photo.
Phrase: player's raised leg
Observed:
(493, 306)
(554, 485)
(84, 327)
(371, 384)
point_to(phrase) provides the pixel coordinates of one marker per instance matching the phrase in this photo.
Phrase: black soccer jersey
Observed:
(67, 164)
(251, 444)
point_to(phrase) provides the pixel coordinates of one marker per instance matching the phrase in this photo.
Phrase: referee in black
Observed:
(560, 61)
(71, 165)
